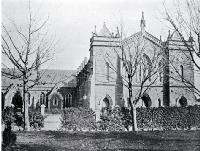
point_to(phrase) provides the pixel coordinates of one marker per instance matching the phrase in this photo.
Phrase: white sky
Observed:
(73, 21)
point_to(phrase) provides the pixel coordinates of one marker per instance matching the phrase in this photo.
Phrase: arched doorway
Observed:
(183, 101)
(106, 105)
(67, 101)
(17, 101)
(147, 100)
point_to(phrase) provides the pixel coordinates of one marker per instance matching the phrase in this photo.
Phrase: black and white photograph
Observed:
(100, 75)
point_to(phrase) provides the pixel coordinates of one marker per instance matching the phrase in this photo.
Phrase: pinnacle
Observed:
(104, 31)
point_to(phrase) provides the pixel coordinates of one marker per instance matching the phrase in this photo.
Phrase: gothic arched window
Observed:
(140, 73)
(160, 71)
(68, 100)
(29, 98)
(107, 71)
(182, 73)
(55, 102)
(147, 65)
(42, 98)
(159, 102)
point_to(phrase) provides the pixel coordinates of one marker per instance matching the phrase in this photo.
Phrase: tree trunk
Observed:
(25, 101)
(134, 118)
(27, 124)
(131, 104)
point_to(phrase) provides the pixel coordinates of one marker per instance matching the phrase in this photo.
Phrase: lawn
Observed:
(142, 141)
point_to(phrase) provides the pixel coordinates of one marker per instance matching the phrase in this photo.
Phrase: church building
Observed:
(101, 86)
(98, 83)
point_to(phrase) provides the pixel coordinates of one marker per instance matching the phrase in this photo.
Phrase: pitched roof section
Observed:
(104, 31)
(130, 38)
(153, 39)
(48, 77)
(54, 76)
(146, 35)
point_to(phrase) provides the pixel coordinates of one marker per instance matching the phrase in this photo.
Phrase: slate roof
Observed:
(54, 76)
(48, 76)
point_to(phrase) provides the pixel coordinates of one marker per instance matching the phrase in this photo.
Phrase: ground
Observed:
(142, 141)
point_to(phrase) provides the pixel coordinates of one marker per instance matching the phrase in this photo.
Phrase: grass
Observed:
(140, 141)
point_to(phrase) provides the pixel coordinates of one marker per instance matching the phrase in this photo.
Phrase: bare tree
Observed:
(27, 49)
(140, 64)
(185, 20)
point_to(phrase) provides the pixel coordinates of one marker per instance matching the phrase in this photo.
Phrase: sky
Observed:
(73, 21)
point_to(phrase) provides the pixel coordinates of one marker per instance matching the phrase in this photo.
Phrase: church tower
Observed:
(180, 71)
(105, 79)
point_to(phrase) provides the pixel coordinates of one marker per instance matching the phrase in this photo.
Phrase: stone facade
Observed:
(106, 85)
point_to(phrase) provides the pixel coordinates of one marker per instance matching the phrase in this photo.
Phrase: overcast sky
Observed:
(73, 21)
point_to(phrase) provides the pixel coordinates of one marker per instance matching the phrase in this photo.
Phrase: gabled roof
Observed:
(146, 35)
(129, 39)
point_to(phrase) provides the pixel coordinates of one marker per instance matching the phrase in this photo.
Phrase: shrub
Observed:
(36, 119)
(118, 119)
(9, 138)
(168, 118)
(78, 119)
(13, 116)
(126, 118)
(8, 115)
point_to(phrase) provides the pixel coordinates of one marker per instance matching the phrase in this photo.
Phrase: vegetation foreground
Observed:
(151, 140)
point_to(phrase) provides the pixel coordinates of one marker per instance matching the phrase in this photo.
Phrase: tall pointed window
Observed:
(68, 100)
(55, 102)
(182, 73)
(29, 98)
(138, 74)
(42, 98)
(147, 65)
(107, 71)
(160, 71)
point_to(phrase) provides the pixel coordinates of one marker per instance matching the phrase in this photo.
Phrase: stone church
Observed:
(100, 86)
(97, 86)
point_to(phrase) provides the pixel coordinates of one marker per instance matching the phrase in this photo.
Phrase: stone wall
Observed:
(181, 72)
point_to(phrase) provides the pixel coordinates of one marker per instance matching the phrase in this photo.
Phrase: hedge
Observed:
(82, 119)
(78, 119)
(168, 118)
(118, 119)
